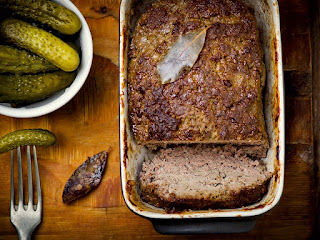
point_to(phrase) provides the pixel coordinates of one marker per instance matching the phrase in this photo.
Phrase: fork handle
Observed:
(24, 235)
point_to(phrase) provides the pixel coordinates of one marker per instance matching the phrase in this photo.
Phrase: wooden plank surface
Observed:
(89, 123)
(315, 38)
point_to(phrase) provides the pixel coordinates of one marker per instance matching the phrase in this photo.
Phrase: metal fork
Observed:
(25, 218)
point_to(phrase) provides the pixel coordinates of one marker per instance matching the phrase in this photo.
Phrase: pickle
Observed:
(42, 43)
(38, 137)
(26, 89)
(17, 61)
(46, 12)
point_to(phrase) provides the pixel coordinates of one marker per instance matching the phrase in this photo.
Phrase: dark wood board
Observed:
(89, 123)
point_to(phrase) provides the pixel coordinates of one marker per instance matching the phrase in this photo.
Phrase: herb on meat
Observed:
(181, 55)
(85, 178)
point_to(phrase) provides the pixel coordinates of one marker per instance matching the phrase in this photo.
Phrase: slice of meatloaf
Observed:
(202, 177)
(220, 99)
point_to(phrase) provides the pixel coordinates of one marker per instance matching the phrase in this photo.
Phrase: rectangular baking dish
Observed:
(132, 155)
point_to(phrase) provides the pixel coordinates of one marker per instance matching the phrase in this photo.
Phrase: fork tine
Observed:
(30, 190)
(36, 169)
(12, 184)
(25, 218)
(20, 181)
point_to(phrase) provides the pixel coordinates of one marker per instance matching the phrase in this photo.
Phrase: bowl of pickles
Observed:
(45, 55)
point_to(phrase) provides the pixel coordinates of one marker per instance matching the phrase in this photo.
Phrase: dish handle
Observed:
(203, 226)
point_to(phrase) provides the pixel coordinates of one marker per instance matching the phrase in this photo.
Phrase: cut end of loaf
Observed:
(202, 177)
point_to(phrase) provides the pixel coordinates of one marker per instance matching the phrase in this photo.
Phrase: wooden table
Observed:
(90, 122)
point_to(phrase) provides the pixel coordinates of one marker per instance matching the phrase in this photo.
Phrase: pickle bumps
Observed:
(42, 43)
(26, 89)
(46, 12)
(18, 61)
(38, 137)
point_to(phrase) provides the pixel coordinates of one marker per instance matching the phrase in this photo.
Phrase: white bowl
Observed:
(60, 98)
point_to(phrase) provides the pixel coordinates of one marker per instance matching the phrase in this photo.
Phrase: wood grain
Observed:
(298, 120)
(315, 37)
(103, 19)
(298, 83)
(296, 52)
(89, 123)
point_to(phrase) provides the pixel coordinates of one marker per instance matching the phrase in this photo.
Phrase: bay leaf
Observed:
(86, 177)
(181, 55)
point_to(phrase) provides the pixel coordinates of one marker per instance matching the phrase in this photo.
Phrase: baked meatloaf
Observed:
(202, 177)
(220, 99)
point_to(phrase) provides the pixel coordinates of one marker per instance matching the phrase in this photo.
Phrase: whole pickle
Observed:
(38, 137)
(26, 89)
(17, 61)
(42, 43)
(47, 12)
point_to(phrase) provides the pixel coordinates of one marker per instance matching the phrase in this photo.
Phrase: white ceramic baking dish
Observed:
(132, 155)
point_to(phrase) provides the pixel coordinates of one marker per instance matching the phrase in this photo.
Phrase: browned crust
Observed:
(208, 103)
(243, 197)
